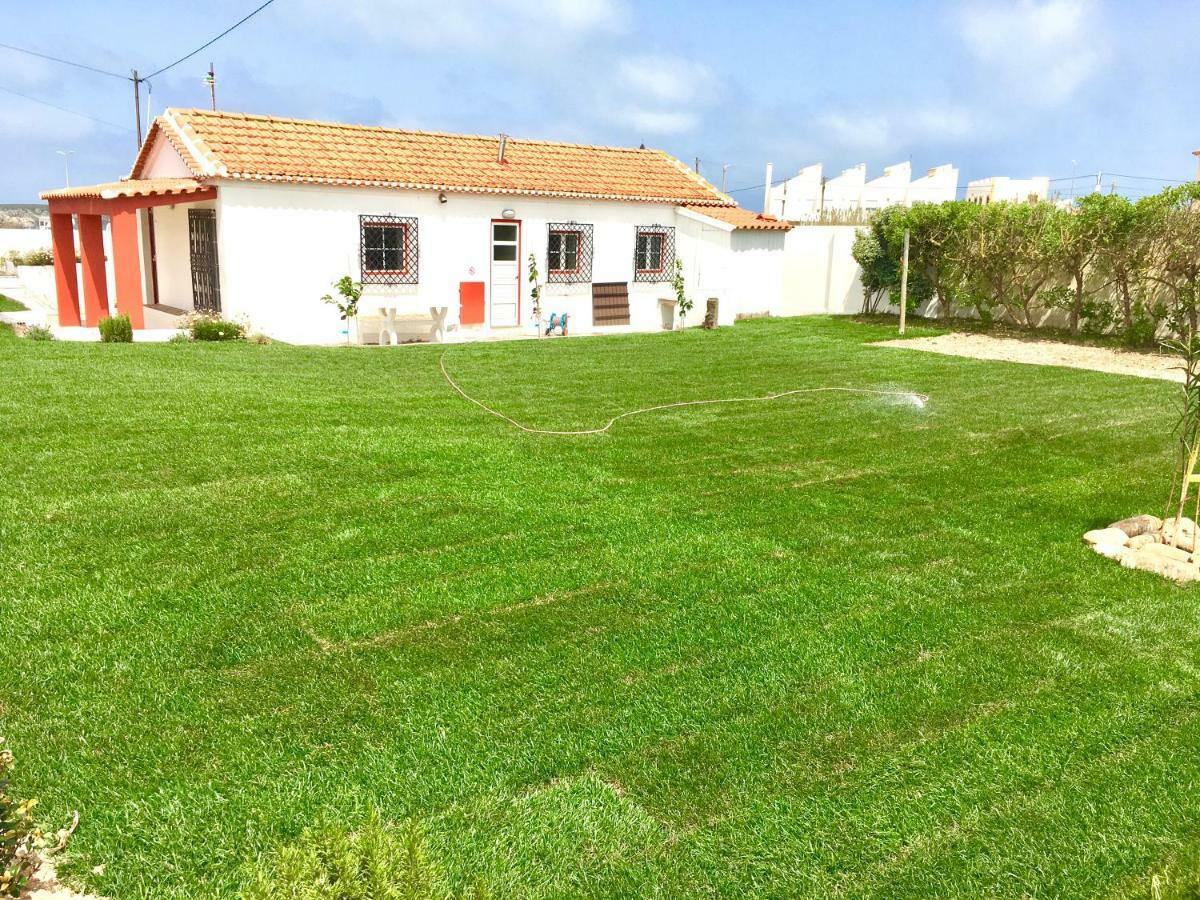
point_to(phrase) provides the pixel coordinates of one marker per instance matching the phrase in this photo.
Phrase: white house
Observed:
(844, 193)
(806, 196)
(255, 217)
(1001, 189)
(799, 198)
(937, 185)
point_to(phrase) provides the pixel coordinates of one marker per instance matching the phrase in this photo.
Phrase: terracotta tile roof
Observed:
(143, 187)
(264, 148)
(742, 219)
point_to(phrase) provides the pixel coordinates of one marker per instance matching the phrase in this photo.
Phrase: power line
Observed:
(65, 62)
(205, 46)
(72, 112)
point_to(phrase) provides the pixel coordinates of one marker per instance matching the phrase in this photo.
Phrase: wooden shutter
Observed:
(610, 303)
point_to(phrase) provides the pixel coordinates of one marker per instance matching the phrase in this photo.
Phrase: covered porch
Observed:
(133, 257)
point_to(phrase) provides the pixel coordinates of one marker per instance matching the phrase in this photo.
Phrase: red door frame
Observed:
(491, 240)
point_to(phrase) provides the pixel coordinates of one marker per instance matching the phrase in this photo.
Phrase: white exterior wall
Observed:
(22, 240)
(174, 253)
(938, 185)
(757, 266)
(845, 192)
(280, 248)
(819, 272)
(799, 198)
(889, 189)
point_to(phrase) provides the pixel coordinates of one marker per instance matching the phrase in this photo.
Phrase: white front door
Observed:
(506, 273)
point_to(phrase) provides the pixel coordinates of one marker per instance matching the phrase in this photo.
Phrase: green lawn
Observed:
(817, 646)
(8, 304)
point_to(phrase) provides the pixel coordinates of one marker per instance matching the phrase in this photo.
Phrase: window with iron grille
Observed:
(388, 249)
(568, 253)
(654, 253)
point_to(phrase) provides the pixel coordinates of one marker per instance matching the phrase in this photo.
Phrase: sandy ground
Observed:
(44, 885)
(1046, 353)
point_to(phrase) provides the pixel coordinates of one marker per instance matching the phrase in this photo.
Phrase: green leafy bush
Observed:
(180, 337)
(17, 833)
(329, 862)
(205, 328)
(39, 333)
(116, 330)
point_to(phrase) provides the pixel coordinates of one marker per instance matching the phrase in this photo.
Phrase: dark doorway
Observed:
(206, 284)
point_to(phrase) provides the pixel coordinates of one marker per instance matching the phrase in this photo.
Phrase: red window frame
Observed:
(662, 247)
(578, 252)
(404, 245)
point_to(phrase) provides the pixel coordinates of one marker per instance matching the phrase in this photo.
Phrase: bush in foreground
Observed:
(329, 862)
(39, 333)
(17, 833)
(204, 328)
(116, 330)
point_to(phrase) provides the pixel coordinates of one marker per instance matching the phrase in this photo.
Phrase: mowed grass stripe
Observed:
(799, 647)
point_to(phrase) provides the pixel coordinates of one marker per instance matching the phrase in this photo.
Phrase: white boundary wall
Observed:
(819, 272)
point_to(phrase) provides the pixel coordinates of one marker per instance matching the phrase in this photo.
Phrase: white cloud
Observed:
(1040, 53)
(872, 131)
(659, 95)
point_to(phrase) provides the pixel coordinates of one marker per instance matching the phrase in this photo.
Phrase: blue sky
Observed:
(997, 88)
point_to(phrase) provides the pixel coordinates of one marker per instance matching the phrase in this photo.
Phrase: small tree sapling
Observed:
(350, 292)
(535, 292)
(682, 300)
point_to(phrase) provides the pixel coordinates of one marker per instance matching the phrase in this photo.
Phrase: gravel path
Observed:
(1046, 353)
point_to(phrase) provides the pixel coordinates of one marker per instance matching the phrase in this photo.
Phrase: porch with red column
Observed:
(127, 267)
(95, 279)
(120, 200)
(66, 284)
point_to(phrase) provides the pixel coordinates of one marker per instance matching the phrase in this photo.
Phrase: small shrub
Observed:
(116, 330)
(211, 329)
(39, 333)
(17, 833)
(329, 862)
(180, 337)
(33, 258)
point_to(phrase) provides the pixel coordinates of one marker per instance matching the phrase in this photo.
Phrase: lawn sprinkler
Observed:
(559, 322)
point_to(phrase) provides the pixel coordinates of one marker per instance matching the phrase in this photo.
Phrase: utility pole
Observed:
(211, 80)
(1099, 183)
(137, 106)
(904, 283)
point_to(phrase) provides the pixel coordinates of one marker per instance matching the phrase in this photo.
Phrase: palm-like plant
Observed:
(1188, 431)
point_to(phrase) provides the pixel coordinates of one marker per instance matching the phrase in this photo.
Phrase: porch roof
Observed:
(133, 187)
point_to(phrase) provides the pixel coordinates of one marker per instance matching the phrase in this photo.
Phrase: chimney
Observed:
(767, 190)
(503, 142)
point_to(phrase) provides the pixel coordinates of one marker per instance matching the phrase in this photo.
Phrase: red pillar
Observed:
(66, 281)
(95, 284)
(127, 266)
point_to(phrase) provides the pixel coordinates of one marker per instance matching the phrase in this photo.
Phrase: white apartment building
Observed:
(1001, 189)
